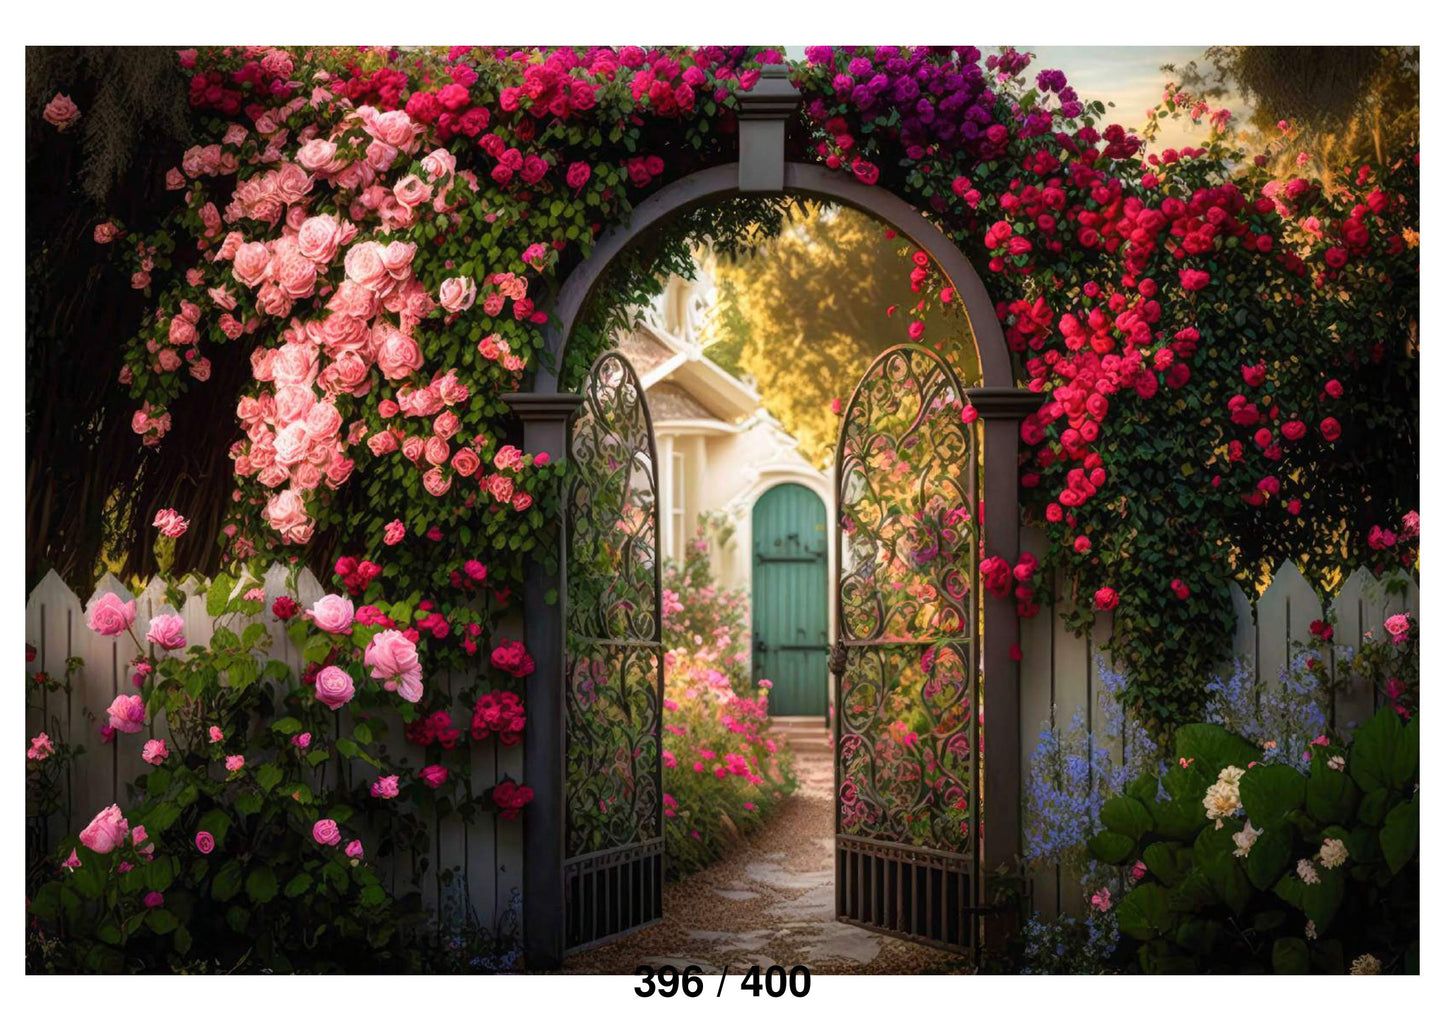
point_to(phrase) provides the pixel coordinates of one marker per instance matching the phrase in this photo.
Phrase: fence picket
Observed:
(53, 616)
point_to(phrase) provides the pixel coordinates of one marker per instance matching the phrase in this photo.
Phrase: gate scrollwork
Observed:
(907, 761)
(614, 662)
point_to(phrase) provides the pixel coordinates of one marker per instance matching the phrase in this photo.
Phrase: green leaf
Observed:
(299, 884)
(1330, 795)
(1145, 788)
(1373, 754)
(1321, 900)
(268, 776)
(1269, 856)
(227, 882)
(1400, 836)
(219, 595)
(287, 725)
(1144, 912)
(1127, 816)
(1178, 820)
(162, 921)
(317, 648)
(1212, 747)
(216, 822)
(261, 884)
(162, 817)
(181, 940)
(362, 733)
(1168, 862)
(1290, 955)
(372, 896)
(1373, 807)
(1111, 848)
(1269, 792)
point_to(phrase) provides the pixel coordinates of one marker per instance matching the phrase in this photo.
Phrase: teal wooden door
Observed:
(790, 599)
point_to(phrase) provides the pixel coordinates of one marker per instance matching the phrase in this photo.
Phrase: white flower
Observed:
(1245, 838)
(1307, 872)
(1365, 964)
(1337, 763)
(1222, 798)
(1310, 931)
(1333, 853)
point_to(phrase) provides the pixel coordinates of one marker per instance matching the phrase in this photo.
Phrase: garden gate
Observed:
(906, 729)
(612, 870)
(941, 871)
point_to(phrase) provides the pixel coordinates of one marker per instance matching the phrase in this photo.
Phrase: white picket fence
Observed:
(481, 860)
(1059, 671)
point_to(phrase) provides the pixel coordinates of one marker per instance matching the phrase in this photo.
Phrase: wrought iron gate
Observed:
(906, 727)
(613, 865)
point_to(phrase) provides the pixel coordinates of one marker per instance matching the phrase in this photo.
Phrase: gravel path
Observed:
(769, 902)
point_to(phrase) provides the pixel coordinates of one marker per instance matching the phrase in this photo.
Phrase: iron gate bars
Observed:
(907, 762)
(612, 871)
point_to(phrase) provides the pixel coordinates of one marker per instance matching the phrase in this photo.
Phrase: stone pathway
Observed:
(769, 902)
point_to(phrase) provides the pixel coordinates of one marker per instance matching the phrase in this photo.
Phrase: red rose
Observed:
(1330, 429)
(1106, 599)
(865, 171)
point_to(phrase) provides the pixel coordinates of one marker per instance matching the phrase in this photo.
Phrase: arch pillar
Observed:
(1001, 409)
(546, 420)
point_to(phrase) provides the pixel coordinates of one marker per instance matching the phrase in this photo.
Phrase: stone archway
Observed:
(762, 169)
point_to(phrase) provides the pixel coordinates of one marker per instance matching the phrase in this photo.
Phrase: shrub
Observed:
(254, 839)
(1246, 865)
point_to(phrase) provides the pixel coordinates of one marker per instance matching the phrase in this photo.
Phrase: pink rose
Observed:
(216, 735)
(386, 787)
(1398, 625)
(411, 191)
(167, 631)
(326, 832)
(333, 613)
(41, 747)
(500, 487)
(302, 740)
(465, 462)
(457, 294)
(154, 752)
(296, 274)
(61, 112)
(395, 532)
(397, 355)
(235, 763)
(319, 238)
(393, 660)
(334, 687)
(106, 831)
(127, 714)
(353, 849)
(251, 262)
(286, 513)
(109, 615)
(364, 266)
(205, 843)
(434, 775)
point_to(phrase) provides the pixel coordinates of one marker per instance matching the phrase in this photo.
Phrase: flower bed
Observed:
(723, 774)
(1263, 840)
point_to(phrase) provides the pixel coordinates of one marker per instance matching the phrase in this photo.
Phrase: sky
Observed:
(1127, 76)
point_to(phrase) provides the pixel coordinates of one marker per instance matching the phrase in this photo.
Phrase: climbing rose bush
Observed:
(1226, 363)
